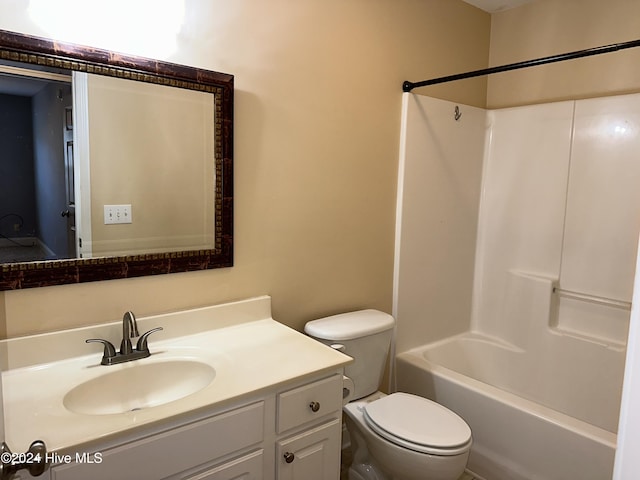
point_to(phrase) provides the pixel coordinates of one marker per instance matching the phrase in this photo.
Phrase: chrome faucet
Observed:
(127, 353)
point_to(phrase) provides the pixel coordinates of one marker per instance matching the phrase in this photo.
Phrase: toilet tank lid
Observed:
(350, 325)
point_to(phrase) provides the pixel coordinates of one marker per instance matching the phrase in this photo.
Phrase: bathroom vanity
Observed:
(227, 393)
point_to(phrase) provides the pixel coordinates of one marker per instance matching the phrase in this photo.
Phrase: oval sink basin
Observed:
(135, 387)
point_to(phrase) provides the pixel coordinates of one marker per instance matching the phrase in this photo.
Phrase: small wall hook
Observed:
(457, 113)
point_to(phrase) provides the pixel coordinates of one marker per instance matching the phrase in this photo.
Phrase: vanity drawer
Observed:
(309, 402)
(174, 451)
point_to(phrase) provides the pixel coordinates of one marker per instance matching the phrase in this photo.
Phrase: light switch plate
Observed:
(117, 214)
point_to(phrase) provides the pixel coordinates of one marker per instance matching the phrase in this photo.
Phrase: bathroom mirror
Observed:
(209, 94)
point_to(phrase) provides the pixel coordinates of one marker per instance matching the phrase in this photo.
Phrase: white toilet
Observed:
(398, 436)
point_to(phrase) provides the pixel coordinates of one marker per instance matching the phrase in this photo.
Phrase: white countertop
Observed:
(248, 349)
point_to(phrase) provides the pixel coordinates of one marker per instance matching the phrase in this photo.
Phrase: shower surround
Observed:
(516, 244)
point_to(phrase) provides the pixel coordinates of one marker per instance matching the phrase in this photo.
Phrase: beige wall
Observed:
(152, 147)
(549, 27)
(317, 119)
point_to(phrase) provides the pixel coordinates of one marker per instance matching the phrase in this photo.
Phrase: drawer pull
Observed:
(314, 406)
(289, 457)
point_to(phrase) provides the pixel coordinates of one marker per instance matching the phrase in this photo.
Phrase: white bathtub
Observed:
(523, 429)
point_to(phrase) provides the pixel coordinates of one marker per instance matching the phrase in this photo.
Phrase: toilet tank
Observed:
(364, 335)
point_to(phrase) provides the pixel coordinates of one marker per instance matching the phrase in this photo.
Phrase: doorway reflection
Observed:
(33, 193)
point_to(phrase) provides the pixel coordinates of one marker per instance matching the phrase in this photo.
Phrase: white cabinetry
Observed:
(292, 433)
(312, 414)
(247, 467)
(166, 454)
(311, 454)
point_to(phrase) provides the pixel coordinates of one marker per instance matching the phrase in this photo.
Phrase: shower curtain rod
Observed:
(407, 86)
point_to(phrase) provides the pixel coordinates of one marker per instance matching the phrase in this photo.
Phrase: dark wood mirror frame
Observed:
(40, 51)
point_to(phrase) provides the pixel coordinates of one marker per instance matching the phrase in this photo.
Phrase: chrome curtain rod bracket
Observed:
(407, 86)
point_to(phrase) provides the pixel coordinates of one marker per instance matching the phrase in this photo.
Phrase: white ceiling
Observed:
(492, 6)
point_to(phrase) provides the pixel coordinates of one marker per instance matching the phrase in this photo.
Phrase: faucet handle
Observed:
(109, 350)
(142, 341)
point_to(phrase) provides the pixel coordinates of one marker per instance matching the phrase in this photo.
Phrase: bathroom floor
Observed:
(16, 253)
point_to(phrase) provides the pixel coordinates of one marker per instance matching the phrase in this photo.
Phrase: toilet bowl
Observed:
(398, 436)
(389, 439)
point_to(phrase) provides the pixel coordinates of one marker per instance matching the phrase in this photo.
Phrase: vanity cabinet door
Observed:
(249, 467)
(313, 454)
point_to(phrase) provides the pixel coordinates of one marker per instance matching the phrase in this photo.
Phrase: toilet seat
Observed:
(418, 424)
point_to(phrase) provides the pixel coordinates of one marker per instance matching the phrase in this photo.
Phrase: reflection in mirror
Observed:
(33, 187)
(111, 166)
(151, 147)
